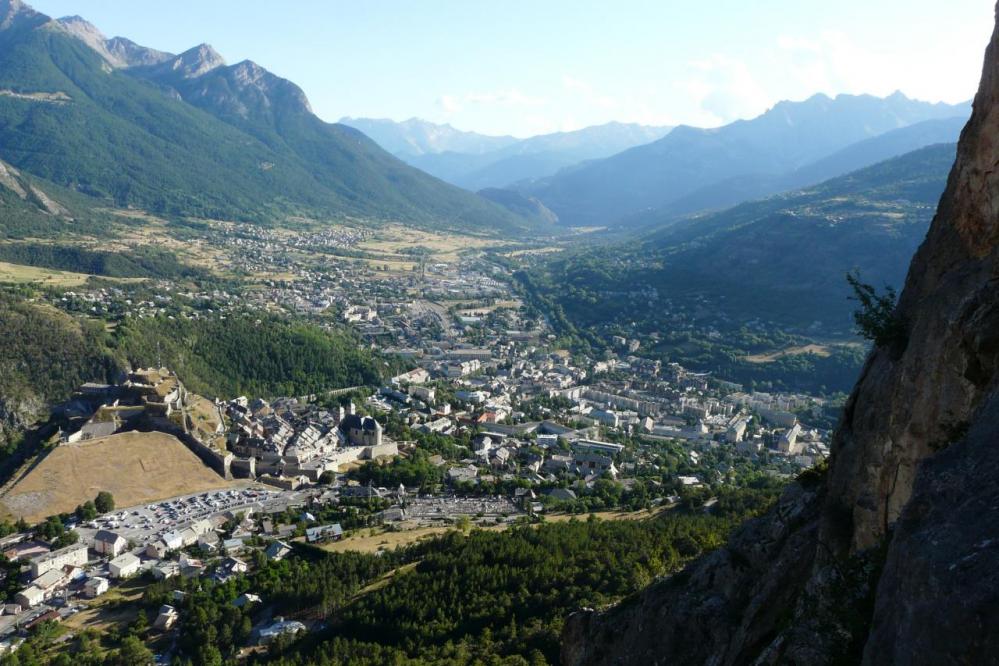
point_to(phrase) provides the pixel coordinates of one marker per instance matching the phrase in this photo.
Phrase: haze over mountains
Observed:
(785, 141)
(628, 176)
(189, 135)
(477, 161)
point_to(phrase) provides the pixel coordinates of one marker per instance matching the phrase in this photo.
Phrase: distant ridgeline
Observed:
(792, 145)
(764, 275)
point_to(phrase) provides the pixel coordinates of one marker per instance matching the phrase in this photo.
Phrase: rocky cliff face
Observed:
(894, 556)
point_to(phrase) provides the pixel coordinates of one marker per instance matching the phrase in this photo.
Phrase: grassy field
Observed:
(113, 608)
(444, 247)
(135, 467)
(48, 277)
(770, 357)
(364, 541)
(153, 230)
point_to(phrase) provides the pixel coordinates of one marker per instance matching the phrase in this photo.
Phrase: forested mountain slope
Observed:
(781, 259)
(187, 136)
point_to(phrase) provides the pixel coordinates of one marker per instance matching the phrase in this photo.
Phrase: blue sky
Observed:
(526, 67)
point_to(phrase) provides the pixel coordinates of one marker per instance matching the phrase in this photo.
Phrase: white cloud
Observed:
(722, 89)
(833, 62)
(449, 104)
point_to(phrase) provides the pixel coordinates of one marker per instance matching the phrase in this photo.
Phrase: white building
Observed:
(30, 596)
(109, 543)
(75, 555)
(737, 431)
(789, 441)
(166, 618)
(124, 565)
(95, 587)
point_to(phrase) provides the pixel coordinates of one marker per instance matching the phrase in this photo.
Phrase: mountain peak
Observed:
(12, 7)
(250, 69)
(196, 61)
(15, 12)
(117, 52)
(83, 30)
(129, 54)
(274, 88)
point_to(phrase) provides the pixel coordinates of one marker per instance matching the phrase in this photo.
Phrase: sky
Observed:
(526, 67)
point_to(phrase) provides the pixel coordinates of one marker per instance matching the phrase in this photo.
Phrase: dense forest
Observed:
(46, 354)
(250, 354)
(139, 262)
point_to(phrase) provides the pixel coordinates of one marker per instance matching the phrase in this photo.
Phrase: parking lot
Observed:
(143, 524)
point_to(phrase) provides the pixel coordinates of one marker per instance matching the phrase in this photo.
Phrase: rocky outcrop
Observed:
(19, 414)
(938, 599)
(11, 179)
(14, 14)
(118, 52)
(894, 558)
(194, 62)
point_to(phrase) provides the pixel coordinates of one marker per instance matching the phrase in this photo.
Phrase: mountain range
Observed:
(792, 144)
(477, 161)
(189, 135)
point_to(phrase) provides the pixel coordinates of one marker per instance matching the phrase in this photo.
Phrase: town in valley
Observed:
(489, 423)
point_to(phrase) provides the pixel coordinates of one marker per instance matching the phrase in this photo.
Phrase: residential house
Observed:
(30, 596)
(279, 627)
(109, 543)
(277, 550)
(166, 618)
(95, 587)
(593, 463)
(233, 545)
(124, 565)
(165, 570)
(466, 474)
(245, 599)
(331, 532)
(228, 568)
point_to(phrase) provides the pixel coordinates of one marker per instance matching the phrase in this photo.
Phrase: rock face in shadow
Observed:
(894, 556)
(938, 598)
